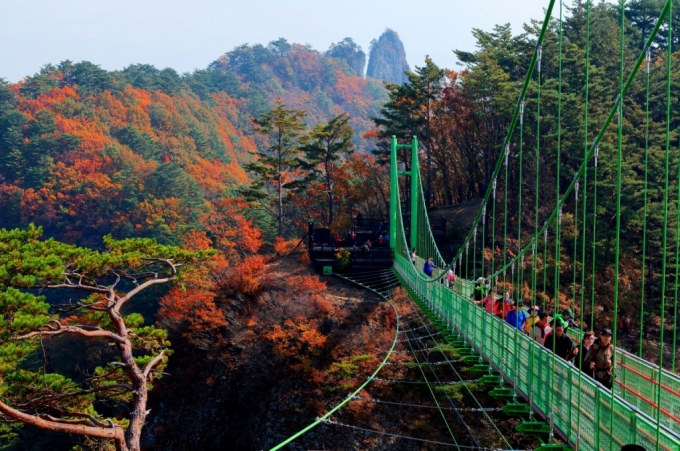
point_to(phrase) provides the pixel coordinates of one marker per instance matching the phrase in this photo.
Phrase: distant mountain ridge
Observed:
(144, 152)
(388, 58)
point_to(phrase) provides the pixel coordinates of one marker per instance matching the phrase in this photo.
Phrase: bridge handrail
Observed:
(632, 424)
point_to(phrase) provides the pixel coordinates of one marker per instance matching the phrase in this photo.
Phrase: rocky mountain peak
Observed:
(387, 59)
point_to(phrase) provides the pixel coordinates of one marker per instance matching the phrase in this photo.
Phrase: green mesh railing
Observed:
(589, 420)
(632, 423)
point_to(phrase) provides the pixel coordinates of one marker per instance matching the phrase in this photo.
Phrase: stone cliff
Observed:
(388, 59)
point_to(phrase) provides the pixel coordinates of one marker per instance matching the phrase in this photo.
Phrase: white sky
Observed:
(186, 35)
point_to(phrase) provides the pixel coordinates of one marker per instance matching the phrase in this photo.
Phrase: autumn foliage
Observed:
(297, 339)
(192, 310)
(143, 152)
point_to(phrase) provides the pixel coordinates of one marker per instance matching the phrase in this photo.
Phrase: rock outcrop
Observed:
(388, 58)
(351, 53)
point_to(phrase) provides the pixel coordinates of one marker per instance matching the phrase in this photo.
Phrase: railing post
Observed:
(415, 172)
(394, 186)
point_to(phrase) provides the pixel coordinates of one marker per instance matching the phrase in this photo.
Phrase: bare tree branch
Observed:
(130, 294)
(79, 330)
(111, 433)
(73, 286)
(155, 361)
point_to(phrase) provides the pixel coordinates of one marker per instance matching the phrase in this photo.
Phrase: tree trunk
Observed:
(329, 185)
(114, 433)
(280, 187)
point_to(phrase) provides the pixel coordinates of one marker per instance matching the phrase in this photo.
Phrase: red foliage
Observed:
(296, 340)
(249, 277)
(284, 247)
(231, 232)
(193, 310)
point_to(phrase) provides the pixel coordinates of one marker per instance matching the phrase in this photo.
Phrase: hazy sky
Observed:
(186, 35)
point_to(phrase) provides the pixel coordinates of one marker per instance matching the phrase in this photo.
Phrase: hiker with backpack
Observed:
(599, 359)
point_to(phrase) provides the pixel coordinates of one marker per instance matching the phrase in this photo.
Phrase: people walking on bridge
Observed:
(413, 256)
(567, 318)
(586, 343)
(541, 328)
(507, 304)
(480, 291)
(451, 277)
(599, 358)
(531, 320)
(516, 316)
(489, 303)
(559, 342)
(428, 266)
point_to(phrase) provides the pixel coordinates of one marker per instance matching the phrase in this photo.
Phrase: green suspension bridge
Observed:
(558, 403)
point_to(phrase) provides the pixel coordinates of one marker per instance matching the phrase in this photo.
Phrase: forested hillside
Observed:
(146, 152)
(461, 119)
(240, 346)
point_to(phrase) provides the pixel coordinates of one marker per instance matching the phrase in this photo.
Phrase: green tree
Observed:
(274, 166)
(409, 112)
(136, 353)
(325, 147)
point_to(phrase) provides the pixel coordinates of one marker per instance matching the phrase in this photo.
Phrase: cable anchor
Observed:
(521, 112)
(507, 154)
(545, 232)
(597, 151)
(484, 214)
(539, 57)
(494, 188)
(474, 234)
(559, 216)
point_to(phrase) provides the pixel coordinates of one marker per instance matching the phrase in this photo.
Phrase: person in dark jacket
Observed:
(480, 290)
(563, 345)
(600, 359)
(588, 339)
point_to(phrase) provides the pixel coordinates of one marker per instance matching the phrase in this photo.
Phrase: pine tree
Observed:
(324, 148)
(33, 394)
(274, 166)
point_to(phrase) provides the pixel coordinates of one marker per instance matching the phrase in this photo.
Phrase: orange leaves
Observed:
(196, 241)
(193, 310)
(249, 275)
(284, 247)
(312, 286)
(370, 134)
(307, 284)
(231, 232)
(296, 340)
